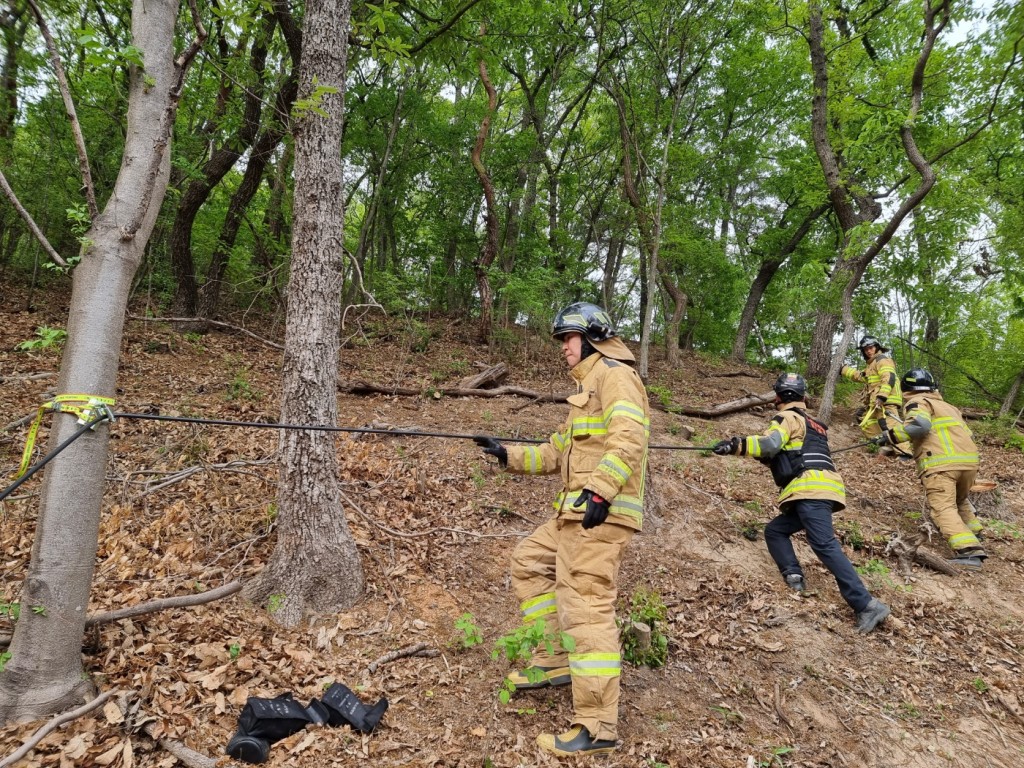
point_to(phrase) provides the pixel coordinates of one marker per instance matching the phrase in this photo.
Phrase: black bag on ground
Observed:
(264, 721)
(346, 709)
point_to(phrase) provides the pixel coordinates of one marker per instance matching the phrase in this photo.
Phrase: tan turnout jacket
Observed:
(947, 444)
(881, 379)
(602, 445)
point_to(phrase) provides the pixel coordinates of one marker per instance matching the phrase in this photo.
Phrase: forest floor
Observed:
(756, 677)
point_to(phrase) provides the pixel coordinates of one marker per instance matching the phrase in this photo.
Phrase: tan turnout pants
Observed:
(950, 509)
(567, 576)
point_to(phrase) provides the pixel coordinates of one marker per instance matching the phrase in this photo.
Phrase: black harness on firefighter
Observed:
(788, 465)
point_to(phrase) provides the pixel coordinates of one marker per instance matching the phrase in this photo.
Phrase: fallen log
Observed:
(367, 388)
(906, 550)
(740, 404)
(489, 377)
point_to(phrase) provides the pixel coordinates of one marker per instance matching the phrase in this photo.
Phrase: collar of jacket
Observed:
(584, 367)
(794, 404)
(914, 396)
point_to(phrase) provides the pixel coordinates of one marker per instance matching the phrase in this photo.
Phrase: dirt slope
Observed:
(756, 676)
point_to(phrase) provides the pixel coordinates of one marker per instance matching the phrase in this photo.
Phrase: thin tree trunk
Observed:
(45, 674)
(222, 160)
(489, 251)
(769, 266)
(315, 566)
(1011, 395)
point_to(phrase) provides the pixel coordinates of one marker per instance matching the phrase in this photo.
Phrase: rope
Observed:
(53, 454)
(84, 406)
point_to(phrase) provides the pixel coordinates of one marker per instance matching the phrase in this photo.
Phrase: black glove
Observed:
(726, 447)
(597, 508)
(494, 448)
(880, 403)
(883, 439)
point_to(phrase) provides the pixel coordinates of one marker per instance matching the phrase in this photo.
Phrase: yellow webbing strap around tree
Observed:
(82, 406)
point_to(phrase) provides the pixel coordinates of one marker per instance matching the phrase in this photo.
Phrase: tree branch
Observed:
(33, 228)
(55, 722)
(69, 108)
(162, 605)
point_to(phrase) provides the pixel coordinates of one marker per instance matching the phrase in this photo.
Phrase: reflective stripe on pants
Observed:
(949, 507)
(581, 568)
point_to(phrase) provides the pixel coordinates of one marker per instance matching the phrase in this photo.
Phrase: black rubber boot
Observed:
(576, 741)
(262, 722)
(248, 749)
(345, 708)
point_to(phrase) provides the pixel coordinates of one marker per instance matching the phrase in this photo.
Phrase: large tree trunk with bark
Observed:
(315, 566)
(44, 674)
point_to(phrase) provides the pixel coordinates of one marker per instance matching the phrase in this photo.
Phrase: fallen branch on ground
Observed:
(419, 649)
(740, 404)
(162, 605)
(367, 388)
(151, 728)
(55, 722)
(215, 323)
(906, 550)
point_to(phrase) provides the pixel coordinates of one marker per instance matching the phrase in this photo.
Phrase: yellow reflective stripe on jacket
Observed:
(560, 440)
(595, 664)
(538, 606)
(927, 462)
(627, 506)
(628, 410)
(533, 460)
(813, 480)
(589, 425)
(616, 468)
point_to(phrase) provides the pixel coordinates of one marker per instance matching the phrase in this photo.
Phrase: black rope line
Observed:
(112, 416)
(52, 455)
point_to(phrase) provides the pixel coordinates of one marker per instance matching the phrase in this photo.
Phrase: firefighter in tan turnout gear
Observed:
(566, 572)
(947, 463)
(795, 447)
(883, 399)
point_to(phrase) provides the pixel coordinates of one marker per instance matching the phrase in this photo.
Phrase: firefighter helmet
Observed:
(790, 387)
(869, 341)
(918, 380)
(587, 319)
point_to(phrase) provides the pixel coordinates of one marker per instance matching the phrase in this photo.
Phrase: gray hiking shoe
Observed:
(872, 615)
(795, 581)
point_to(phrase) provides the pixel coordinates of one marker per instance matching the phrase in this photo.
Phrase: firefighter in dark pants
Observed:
(947, 463)
(883, 400)
(795, 446)
(566, 571)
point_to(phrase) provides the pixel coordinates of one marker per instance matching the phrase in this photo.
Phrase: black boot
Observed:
(346, 709)
(262, 722)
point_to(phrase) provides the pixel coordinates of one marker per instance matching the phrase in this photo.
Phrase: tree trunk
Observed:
(45, 674)
(489, 251)
(186, 295)
(1011, 395)
(259, 158)
(315, 565)
(769, 266)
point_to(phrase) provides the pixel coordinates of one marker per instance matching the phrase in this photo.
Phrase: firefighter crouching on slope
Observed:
(947, 463)
(566, 571)
(795, 446)
(882, 397)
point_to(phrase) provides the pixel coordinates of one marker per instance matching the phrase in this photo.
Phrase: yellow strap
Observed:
(82, 406)
(870, 415)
